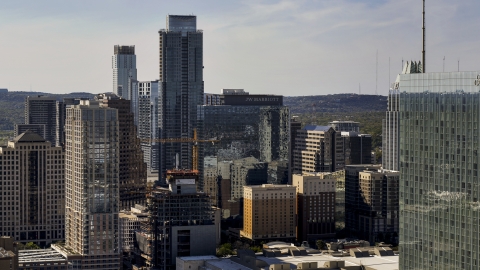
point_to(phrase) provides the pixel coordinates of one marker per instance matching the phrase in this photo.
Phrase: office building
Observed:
(253, 147)
(32, 184)
(41, 110)
(145, 110)
(295, 125)
(372, 209)
(124, 65)
(92, 184)
(181, 222)
(357, 148)
(346, 126)
(181, 88)
(439, 191)
(133, 171)
(315, 206)
(318, 149)
(61, 116)
(269, 213)
(39, 129)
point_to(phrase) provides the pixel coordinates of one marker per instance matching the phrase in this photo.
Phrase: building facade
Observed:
(295, 125)
(318, 149)
(391, 133)
(269, 212)
(41, 110)
(124, 65)
(315, 206)
(145, 109)
(439, 190)
(32, 184)
(133, 171)
(345, 126)
(92, 184)
(181, 89)
(357, 148)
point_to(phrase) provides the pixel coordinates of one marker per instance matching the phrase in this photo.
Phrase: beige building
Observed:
(92, 184)
(32, 200)
(318, 149)
(269, 212)
(315, 205)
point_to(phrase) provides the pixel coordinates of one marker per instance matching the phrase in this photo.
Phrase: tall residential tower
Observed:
(124, 64)
(181, 88)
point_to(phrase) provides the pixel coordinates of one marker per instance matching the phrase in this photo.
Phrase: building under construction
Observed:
(180, 222)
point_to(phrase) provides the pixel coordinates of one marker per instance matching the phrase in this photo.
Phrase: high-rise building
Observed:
(181, 222)
(357, 148)
(315, 206)
(32, 188)
(133, 171)
(39, 129)
(439, 160)
(124, 65)
(371, 197)
(61, 115)
(391, 123)
(41, 110)
(295, 125)
(181, 89)
(92, 160)
(346, 126)
(145, 110)
(269, 212)
(318, 149)
(253, 147)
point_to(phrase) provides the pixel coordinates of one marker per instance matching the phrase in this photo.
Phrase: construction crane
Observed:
(193, 140)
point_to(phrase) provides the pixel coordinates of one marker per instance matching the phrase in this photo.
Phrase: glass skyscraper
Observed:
(439, 157)
(181, 88)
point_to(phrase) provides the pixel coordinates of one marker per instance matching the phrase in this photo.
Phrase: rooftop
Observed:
(40, 255)
(317, 128)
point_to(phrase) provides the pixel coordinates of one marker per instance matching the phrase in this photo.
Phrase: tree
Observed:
(224, 250)
(31, 245)
(321, 244)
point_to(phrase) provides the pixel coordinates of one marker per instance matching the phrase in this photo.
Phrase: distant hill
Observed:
(12, 106)
(337, 103)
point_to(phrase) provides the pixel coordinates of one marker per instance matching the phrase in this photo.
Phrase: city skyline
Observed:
(247, 44)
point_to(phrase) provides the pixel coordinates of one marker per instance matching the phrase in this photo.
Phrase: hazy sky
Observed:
(291, 47)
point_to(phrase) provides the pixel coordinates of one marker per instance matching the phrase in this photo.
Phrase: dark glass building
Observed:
(439, 157)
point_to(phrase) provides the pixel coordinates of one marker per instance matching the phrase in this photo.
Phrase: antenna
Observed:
(359, 89)
(458, 64)
(443, 63)
(376, 77)
(423, 31)
(389, 82)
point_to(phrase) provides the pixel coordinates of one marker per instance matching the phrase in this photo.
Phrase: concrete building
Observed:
(61, 116)
(8, 253)
(181, 222)
(145, 109)
(318, 149)
(315, 206)
(133, 171)
(439, 188)
(124, 65)
(269, 212)
(41, 110)
(357, 148)
(372, 210)
(181, 88)
(32, 188)
(345, 126)
(92, 185)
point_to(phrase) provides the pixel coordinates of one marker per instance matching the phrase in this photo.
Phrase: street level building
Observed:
(32, 188)
(181, 89)
(269, 212)
(315, 206)
(133, 171)
(318, 149)
(124, 65)
(439, 165)
(92, 185)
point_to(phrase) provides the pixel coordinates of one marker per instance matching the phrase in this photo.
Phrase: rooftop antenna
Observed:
(376, 77)
(389, 82)
(458, 64)
(423, 31)
(359, 89)
(443, 63)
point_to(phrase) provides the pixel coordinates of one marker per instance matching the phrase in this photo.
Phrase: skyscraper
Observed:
(92, 184)
(124, 65)
(181, 88)
(32, 190)
(133, 170)
(439, 157)
(145, 109)
(41, 110)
